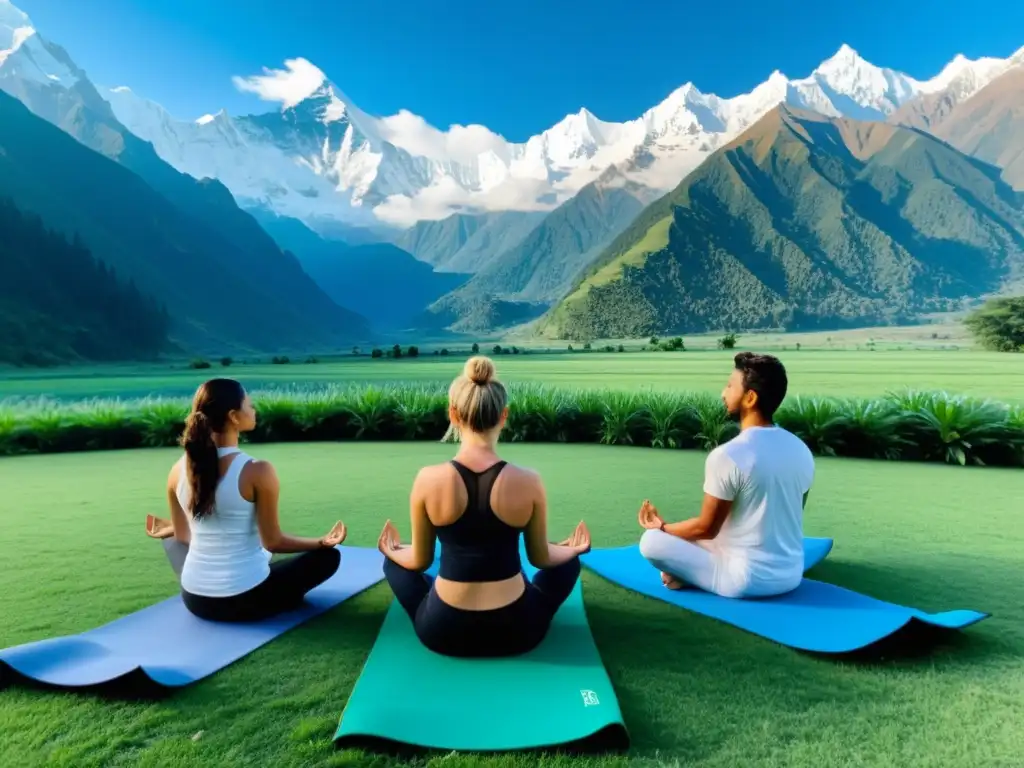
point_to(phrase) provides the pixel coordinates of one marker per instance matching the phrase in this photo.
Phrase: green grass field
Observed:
(693, 691)
(811, 372)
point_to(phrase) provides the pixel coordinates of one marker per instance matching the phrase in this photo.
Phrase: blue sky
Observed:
(515, 67)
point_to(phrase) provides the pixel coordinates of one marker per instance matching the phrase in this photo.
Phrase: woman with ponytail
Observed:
(477, 505)
(224, 524)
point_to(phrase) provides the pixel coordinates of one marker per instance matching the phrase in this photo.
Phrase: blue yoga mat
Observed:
(816, 617)
(172, 647)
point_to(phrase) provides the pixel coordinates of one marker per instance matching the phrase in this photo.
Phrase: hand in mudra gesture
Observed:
(389, 541)
(580, 539)
(335, 536)
(158, 527)
(649, 517)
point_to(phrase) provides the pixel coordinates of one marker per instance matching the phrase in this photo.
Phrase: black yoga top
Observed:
(479, 546)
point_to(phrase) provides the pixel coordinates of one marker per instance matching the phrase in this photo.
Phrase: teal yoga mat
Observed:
(557, 696)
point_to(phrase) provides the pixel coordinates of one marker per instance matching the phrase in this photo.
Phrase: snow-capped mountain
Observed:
(319, 158)
(29, 63)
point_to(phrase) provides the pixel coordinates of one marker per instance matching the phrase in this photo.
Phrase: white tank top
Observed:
(225, 557)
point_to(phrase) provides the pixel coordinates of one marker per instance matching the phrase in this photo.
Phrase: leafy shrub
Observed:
(376, 353)
(728, 341)
(999, 324)
(199, 364)
(414, 351)
(226, 361)
(920, 426)
(280, 360)
(674, 344)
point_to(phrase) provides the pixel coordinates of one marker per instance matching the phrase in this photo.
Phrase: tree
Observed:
(413, 351)
(476, 347)
(396, 351)
(728, 341)
(497, 349)
(999, 324)
(376, 353)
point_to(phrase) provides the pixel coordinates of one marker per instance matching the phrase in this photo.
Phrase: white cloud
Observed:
(445, 197)
(288, 86)
(463, 143)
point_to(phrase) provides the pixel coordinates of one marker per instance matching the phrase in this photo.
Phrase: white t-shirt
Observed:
(765, 472)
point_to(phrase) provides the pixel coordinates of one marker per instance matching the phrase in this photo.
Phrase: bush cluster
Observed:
(914, 426)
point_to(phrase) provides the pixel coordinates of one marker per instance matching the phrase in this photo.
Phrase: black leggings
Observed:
(284, 589)
(507, 631)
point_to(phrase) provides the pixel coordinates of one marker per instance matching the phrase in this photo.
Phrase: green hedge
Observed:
(914, 426)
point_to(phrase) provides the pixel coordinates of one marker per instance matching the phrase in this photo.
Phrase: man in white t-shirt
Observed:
(747, 540)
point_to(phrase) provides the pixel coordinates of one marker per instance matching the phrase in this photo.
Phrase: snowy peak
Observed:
(27, 59)
(965, 76)
(848, 77)
(15, 29)
(844, 60)
(316, 156)
(11, 18)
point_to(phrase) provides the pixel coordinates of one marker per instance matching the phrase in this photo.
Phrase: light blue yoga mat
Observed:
(170, 646)
(816, 616)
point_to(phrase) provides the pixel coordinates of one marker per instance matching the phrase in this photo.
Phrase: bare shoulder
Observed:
(433, 474)
(259, 472)
(174, 476)
(526, 477)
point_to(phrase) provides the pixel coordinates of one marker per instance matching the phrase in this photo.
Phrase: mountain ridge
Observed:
(44, 79)
(322, 156)
(121, 219)
(805, 221)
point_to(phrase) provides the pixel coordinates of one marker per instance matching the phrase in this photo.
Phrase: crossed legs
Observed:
(284, 589)
(681, 562)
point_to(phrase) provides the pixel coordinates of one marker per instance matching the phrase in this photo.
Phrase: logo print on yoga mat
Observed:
(589, 698)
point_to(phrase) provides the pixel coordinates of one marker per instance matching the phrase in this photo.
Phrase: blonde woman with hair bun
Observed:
(477, 505)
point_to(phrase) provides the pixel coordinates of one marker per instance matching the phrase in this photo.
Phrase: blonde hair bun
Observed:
(479, 370)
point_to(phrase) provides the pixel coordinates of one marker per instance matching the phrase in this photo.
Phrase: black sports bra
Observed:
(479, 546)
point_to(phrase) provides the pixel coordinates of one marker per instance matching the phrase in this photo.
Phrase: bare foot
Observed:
(670, 582)
(158, 528)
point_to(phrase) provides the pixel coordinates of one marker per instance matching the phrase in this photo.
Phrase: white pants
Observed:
(703, 566)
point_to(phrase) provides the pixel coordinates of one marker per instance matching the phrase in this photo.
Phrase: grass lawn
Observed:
(692, 691)
(811, 372)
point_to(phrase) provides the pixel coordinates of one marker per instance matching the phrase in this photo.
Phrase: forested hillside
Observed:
(59, 303)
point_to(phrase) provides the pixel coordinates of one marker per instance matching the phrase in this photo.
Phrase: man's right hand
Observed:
(649, 517)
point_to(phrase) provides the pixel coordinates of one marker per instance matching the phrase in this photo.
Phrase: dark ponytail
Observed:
(212, 403)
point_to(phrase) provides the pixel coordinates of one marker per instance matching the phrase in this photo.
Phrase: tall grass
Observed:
(910, 425)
